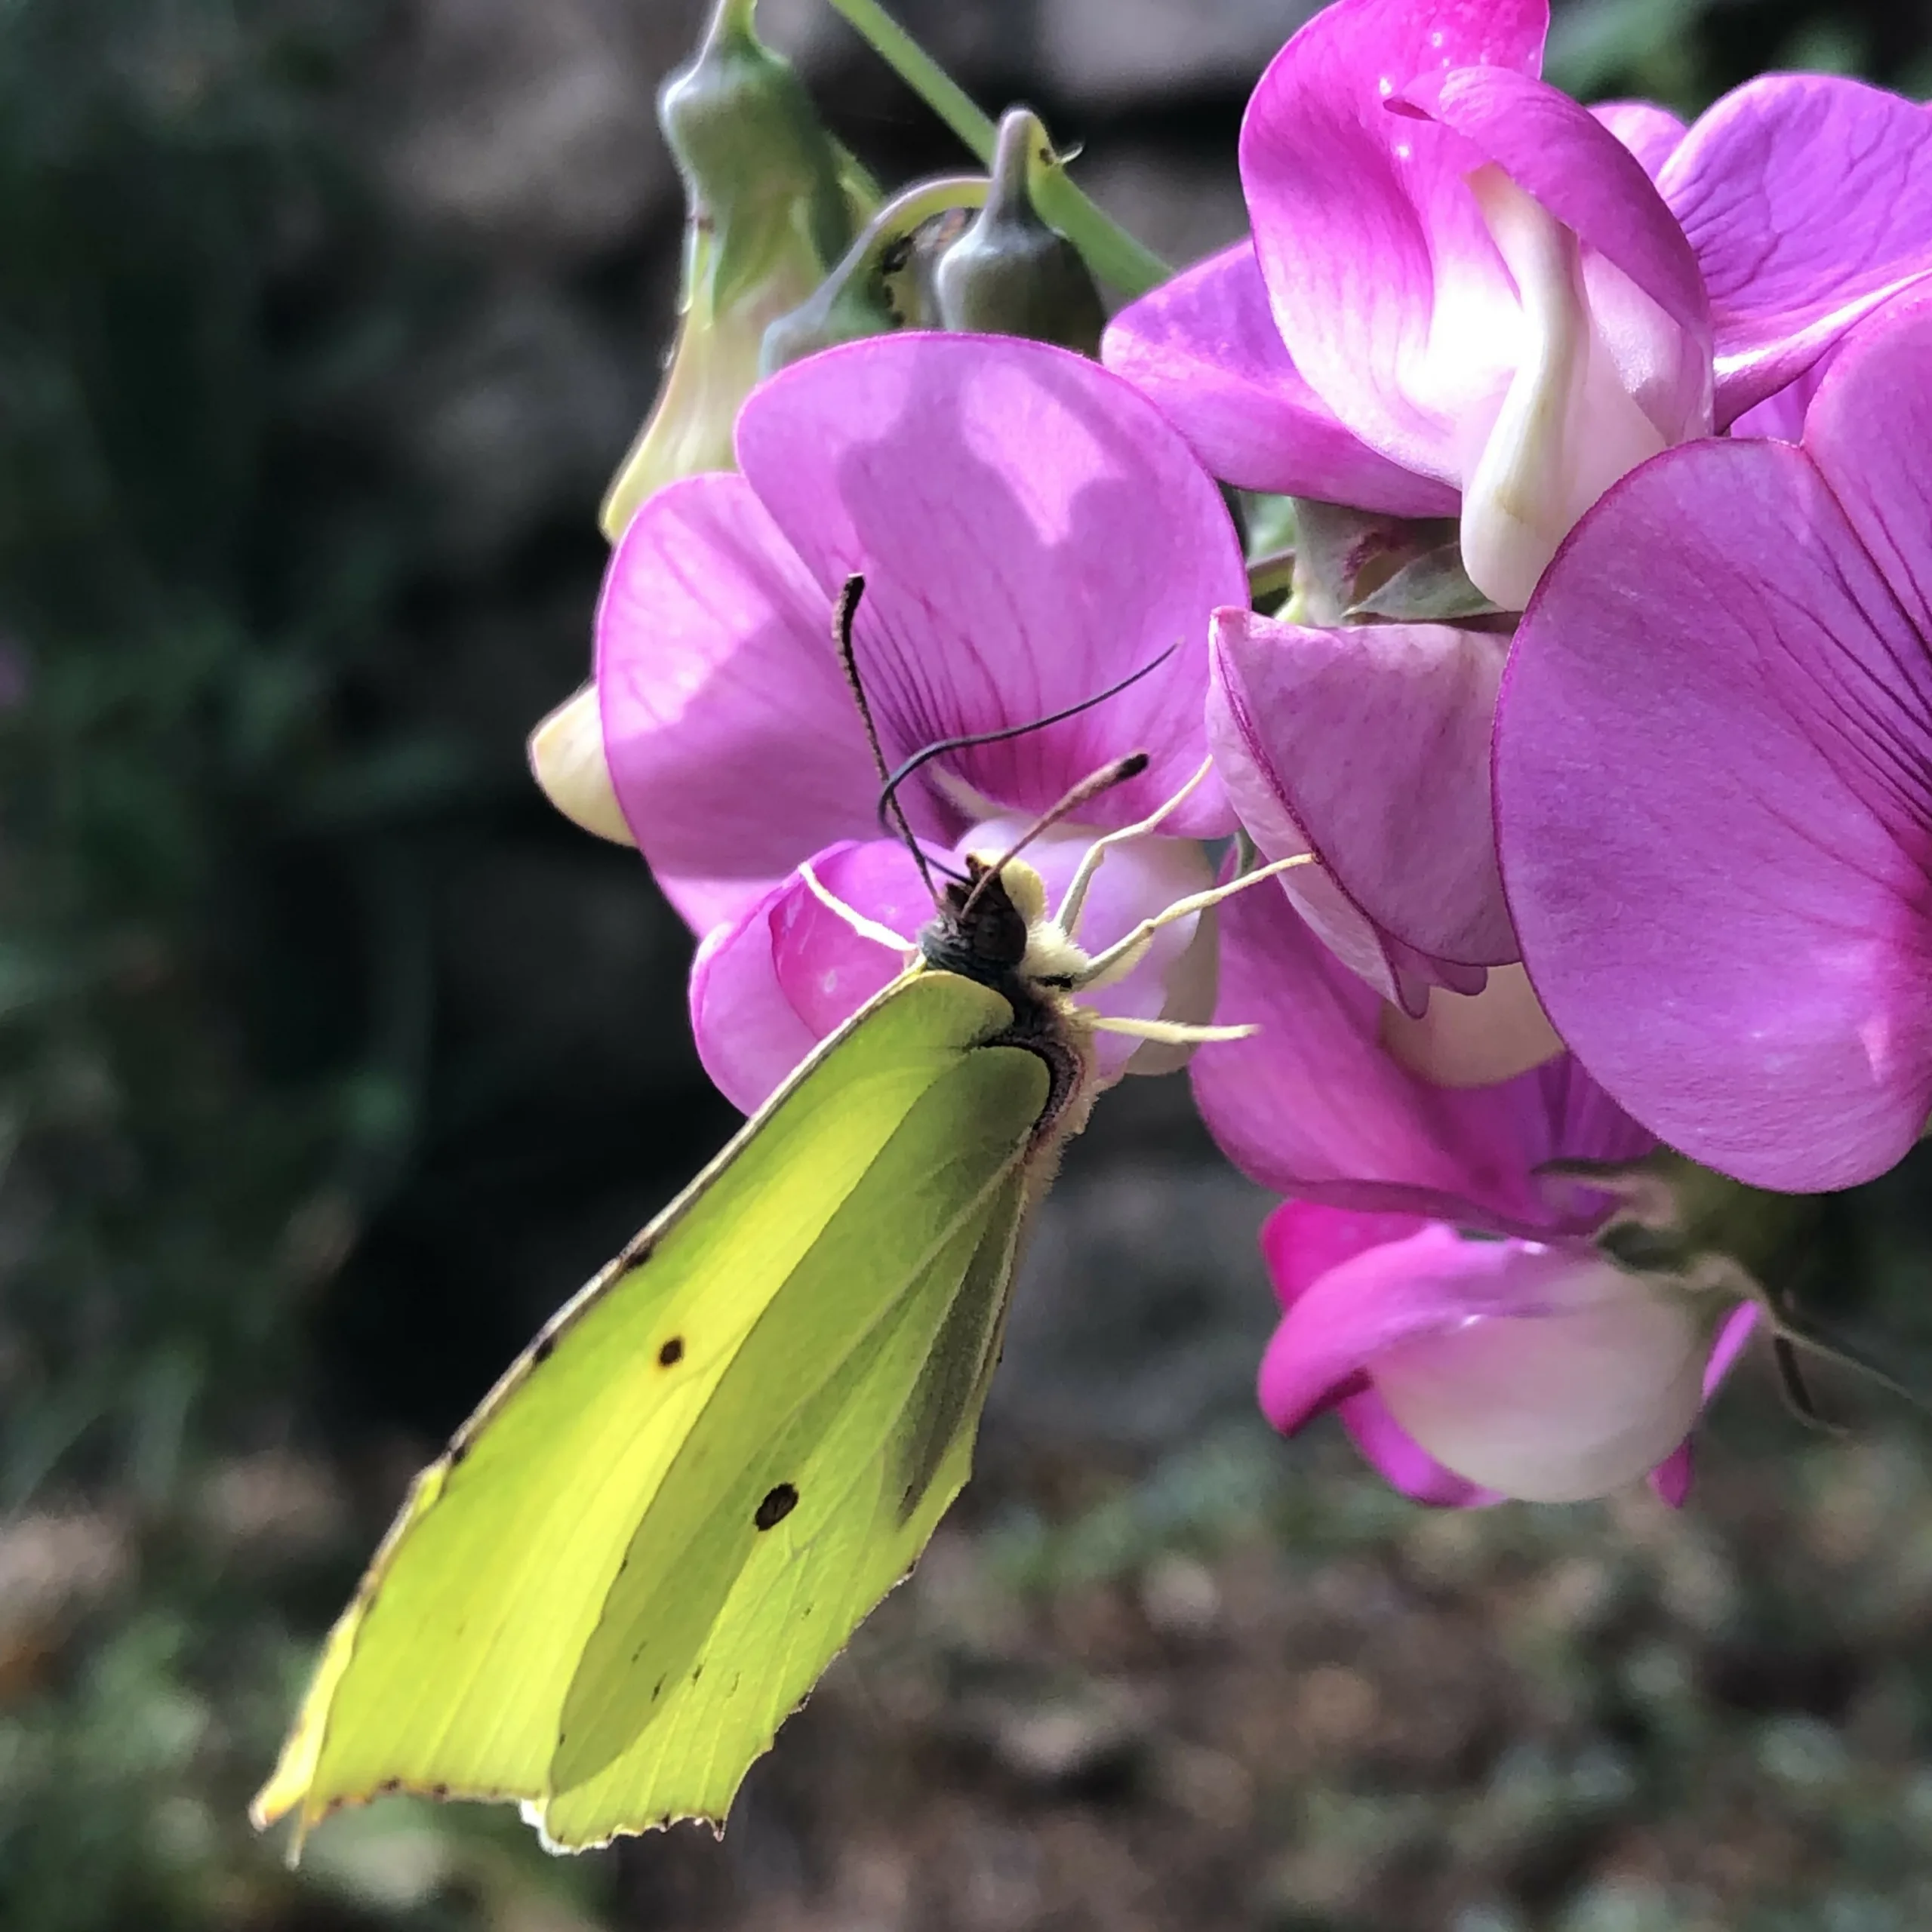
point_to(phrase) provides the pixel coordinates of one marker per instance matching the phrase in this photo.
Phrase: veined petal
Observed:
(731, 739)
(1373, 740)
(1715, 805)
(1808, 199)
(1390, 297)
(1314, 1106)
(748, 1034)
(1032, 530)
(1205, 348)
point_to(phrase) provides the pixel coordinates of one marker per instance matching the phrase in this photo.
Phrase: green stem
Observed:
(1111, 252)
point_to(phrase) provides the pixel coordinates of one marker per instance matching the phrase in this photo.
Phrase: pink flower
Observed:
(1478, 292)
(1714, 783)
(1527, 1365)
(1031, 532)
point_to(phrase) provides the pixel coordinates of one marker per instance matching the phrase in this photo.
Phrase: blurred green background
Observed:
(330, 1060)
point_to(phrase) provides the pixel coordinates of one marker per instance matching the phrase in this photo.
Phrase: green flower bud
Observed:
(772, 200)
(883, 283)
(1009, 274)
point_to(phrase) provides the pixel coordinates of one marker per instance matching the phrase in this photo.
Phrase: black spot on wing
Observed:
(672, 1352)
(778, 1504)
(540, 1349)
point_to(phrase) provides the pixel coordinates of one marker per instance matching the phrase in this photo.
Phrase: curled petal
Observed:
(1371, 741)
(1808, 199)
(1714, 799)
(567, 760)
(1032, 530)
(1391, 298)
(1541, 1373)
(714, 676)
(1314, 1106)
(1205, 348)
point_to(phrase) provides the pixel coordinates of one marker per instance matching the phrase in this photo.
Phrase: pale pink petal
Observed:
(1650, 133)
(732, 741)
(1403, 1463)
(1205, 347)
(1374, 741)
(1715, 803)
(1808, 199)
(1389, 294)
(1312, 1105)
(1671, 1478)
(1032, 530)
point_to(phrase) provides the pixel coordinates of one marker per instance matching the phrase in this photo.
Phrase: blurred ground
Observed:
(330, 1061)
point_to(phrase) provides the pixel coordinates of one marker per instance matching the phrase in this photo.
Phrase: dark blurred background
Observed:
(330, 1060)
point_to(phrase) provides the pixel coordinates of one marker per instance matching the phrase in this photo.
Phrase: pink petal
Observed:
(1205, 348)
(714, 674)
(1671, 1478)
(827, 971)
(1808, 199)
(1650, 133)
(1715, 803)
(1321, 718)
(1302, 1240)
(1389, 294)
(1032, 530)
(1403, 1462)
(1313, 1105)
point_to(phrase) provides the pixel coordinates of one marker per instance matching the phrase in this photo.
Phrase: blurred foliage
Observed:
(219, 841)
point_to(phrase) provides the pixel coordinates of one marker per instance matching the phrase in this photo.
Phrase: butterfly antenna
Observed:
(888, 798)
(845, 614)
(1104, 780)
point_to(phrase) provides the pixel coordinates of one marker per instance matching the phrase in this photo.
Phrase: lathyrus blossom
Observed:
(1464, 288)
(1527, 1365)
(1031, 532)
(1714, 783)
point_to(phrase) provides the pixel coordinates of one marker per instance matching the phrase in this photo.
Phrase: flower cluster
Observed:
(1600, 702)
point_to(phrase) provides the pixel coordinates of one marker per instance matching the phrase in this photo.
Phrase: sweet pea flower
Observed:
(1714, 783)
(1524, 1365)
(1031, 532)
(1463, 288)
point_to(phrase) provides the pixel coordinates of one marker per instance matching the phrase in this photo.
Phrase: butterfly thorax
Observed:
(985, 932)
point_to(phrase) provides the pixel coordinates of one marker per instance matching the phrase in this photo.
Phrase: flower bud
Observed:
(1009, 274)
(567, 759)
(772, 200)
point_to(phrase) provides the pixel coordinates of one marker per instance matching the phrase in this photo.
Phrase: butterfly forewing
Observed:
(449, 1672)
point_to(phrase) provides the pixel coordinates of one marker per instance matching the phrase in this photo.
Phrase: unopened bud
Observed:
(772, 200)
(1009, 274)
(567, 759)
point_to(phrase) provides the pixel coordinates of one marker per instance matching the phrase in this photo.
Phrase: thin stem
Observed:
(1111, 252)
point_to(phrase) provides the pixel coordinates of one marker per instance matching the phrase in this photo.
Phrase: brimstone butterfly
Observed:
(640, 1553)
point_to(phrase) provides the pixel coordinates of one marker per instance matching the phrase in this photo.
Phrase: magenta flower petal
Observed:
(748, 1034)
(714, 673)
(1650, 133)
(1808, 199)
(1313, 1105)
(768, 985)
(1302, 1240)
(1319, 719)
(1715, 797)
(1205, 348)
(1357, 212)
(1030, 530)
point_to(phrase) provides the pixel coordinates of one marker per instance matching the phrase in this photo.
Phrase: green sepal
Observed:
(1344, 556)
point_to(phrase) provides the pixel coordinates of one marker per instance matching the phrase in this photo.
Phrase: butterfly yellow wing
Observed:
(641, 1550)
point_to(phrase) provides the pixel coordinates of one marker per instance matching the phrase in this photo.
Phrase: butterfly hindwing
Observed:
(451, 1671)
